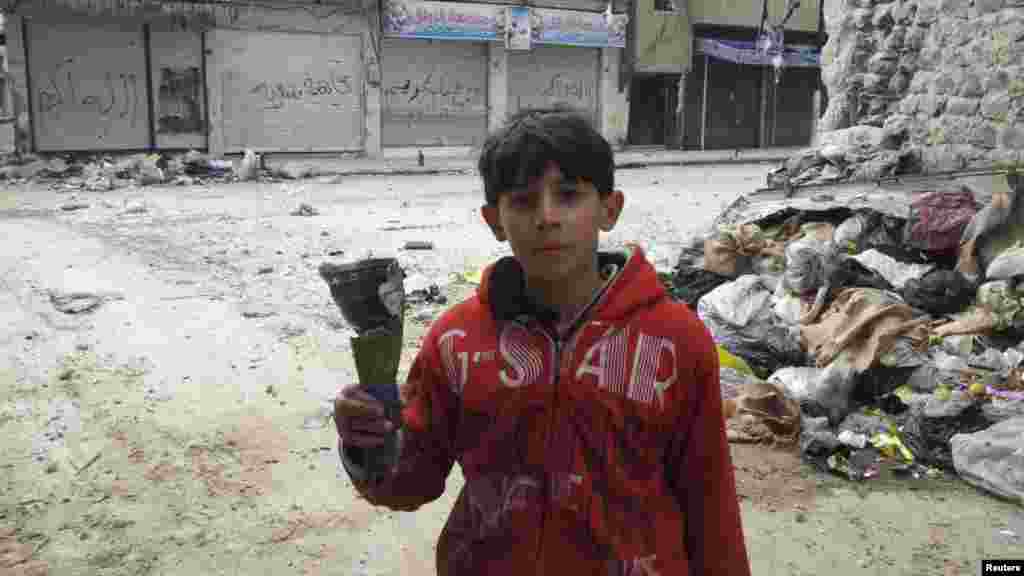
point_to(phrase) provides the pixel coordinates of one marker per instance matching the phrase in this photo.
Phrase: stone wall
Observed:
(918, 86)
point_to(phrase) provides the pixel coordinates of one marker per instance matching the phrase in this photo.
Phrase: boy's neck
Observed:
(568, 298)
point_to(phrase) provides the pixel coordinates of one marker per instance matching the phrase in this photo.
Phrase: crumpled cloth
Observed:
(863, 322)
(723, 250)
(938, 220)
(762, 413)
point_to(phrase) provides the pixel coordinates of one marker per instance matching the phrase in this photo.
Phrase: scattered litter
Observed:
(136, 208)
(852, 439)
(419, 245)
(305, 210)
(73, 206)
(474, 276)
(76, 302)
(249, 167)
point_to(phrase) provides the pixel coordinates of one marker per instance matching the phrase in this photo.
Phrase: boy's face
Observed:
(553, 225)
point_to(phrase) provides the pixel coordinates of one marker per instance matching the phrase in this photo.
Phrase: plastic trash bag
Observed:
(1004, 302)
(993, 459)
(939, 292)
(786, 305)
(938, 219)
(834, 390)
(740, 318)
(866, 230)
(1009, 264)
(895, 272)
(816, 438)
(805, 264)
(690, 284)
(249, 168)
(930, 426)
(798, 382)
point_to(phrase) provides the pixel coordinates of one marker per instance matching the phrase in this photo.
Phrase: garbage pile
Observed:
(104, 172)
(879, 338)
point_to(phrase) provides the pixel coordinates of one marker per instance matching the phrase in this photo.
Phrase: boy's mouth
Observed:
(551, 248)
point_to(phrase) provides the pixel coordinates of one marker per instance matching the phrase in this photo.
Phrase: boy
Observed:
(580, 401)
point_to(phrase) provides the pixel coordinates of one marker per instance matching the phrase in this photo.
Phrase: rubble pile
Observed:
(878, 338)
(99, 173)
(917, 86)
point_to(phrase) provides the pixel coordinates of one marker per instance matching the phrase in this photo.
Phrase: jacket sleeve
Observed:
(700, 468)
(425, 440)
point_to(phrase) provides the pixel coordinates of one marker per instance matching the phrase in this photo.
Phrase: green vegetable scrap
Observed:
(891, 446)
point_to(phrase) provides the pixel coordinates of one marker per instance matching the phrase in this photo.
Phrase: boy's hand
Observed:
(360, 418)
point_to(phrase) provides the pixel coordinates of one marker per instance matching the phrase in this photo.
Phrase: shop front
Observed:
(735, 98)
(452, 70)
(88, 99)
(434, 72)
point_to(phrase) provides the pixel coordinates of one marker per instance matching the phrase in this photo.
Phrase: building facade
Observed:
(357, 77)
(698, 82)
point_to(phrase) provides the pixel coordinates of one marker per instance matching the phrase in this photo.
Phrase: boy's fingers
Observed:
(370, 426)
(364, 440)
(356, 402)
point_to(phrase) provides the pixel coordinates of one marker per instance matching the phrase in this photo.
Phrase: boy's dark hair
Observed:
(520, 150)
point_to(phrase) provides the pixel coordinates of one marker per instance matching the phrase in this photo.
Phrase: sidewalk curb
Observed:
(471, 169)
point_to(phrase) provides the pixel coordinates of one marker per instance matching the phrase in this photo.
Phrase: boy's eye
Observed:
(519, 199)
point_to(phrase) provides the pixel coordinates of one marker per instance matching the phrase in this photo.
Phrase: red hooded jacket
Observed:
(600, 453)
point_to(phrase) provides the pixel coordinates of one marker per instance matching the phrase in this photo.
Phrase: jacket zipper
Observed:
(546, 493)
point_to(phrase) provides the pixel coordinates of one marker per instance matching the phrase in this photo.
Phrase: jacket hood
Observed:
(634, 285)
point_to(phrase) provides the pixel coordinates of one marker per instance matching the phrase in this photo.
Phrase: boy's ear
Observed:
(491, 216)
(611, 209)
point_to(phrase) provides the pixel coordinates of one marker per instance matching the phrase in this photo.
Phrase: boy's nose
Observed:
(548, 210)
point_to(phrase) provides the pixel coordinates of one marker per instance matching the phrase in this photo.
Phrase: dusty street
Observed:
(182, 425)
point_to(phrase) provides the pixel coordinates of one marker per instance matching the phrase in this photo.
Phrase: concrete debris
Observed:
(305, 210)
(100, 173)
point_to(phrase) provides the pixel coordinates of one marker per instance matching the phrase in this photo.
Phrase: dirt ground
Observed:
(181, 426)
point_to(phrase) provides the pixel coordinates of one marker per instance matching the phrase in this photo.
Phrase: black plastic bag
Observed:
(927, 435)
(690, 283)
(939, 292)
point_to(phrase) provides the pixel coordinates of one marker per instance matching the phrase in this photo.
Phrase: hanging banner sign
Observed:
(443, 20)
(487, 23)
(572, 28)
(742, 52)
(517, 30)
